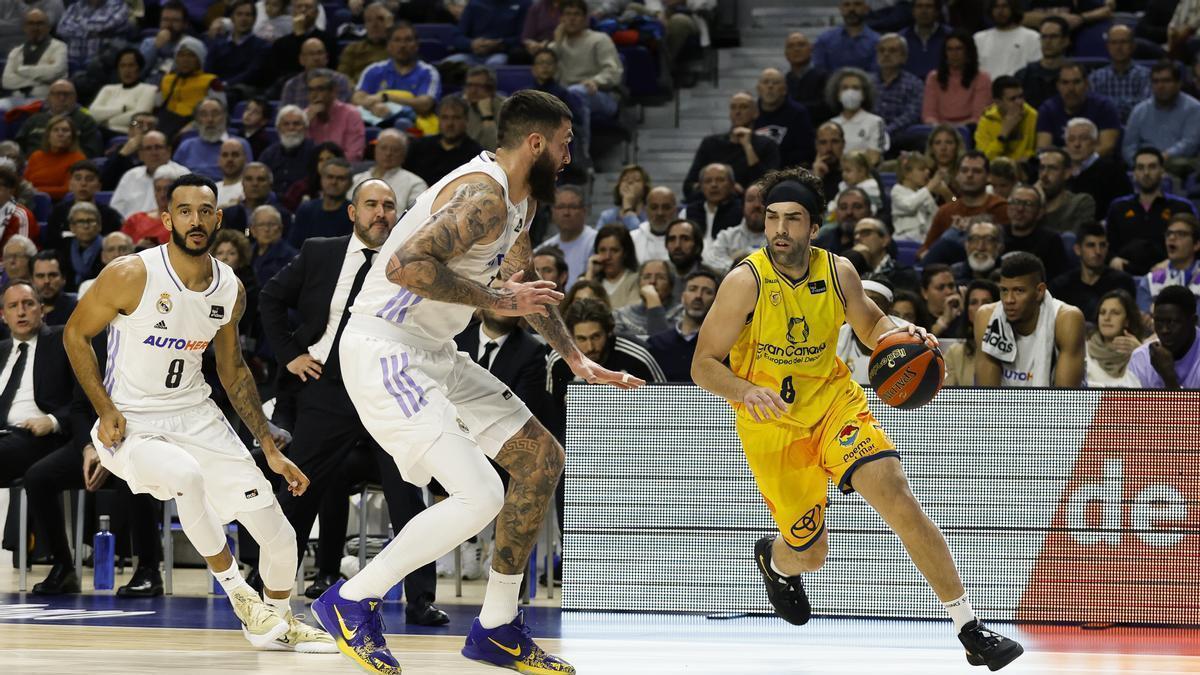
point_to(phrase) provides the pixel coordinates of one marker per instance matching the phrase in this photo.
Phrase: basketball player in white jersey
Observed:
(464, 244)
(159, 430)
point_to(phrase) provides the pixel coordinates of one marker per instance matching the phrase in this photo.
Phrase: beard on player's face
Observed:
(182, 242)
(543, 178)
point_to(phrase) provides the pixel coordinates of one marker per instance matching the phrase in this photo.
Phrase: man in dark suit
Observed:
(515, 356)
(36, 384)
(74, 466)
(719, 206)
(319, 285)
(48, 282)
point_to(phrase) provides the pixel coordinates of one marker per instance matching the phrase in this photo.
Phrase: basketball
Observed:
(905, 372)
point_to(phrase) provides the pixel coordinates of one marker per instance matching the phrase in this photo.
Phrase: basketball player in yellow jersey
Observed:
(803, 421)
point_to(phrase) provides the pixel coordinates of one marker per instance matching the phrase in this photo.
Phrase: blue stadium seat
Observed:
(1091, 63)
(238, 110)
(1068, 240)
(432, 51)
(511, 79)
(887, 180)
(641, 71)
(117, 141)
(335, 17)
(441, 32)
(41, 207)
(906, 252)
(1089, 41)
(103, 198)
(372, 132)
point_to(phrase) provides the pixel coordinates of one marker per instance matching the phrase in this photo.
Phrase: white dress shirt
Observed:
(23, 408)
(135, 191)
(229, 194)
(484, 339)
(352, 261)
(406, 184)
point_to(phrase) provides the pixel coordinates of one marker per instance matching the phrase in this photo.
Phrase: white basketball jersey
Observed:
(394, 312)
(154, 353)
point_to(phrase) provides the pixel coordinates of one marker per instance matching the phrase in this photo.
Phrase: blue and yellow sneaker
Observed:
(512, 646)
(357, 629)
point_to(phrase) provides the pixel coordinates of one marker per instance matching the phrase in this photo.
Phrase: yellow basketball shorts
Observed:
(791, 465)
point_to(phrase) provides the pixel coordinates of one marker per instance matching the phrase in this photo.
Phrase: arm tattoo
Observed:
(551, 326)
(242, 391)
(476, 212)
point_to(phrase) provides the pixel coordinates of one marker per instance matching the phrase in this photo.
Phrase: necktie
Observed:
(333, 366)
(14, 381)
(489, 350)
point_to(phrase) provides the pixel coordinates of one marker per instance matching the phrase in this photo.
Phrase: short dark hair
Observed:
(1071, 65)
(931, 271)
(1021, 264)
(546, 50)
(1092, 229)
(401, 24)
(175, 5)
(697, 232)
(801, 175)
(1149, 150)
(1189, 220)
(580, 5)
(629, 259)
(589, 309)
(46, 256)
(453, 101)
(1004, 83)
(137, 55)
(985, 284)
(529, 111)
(84, 165)
(973, 154)
(1057, 21)
(560, 260)
(238, 3)
(1179, 296)
(1051, 150)
(705, 272)
(1168, 66)
(191, 180)
(1015, 7)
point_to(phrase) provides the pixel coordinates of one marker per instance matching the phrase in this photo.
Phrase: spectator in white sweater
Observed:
(117, 104)
(33, 65)
(588, 65)
(913, 203)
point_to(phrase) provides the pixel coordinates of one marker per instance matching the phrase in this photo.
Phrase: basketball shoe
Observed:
(357, 629)
(260, 624)
(988, 648)
(301, 637)
(786, 594)
(512, 646)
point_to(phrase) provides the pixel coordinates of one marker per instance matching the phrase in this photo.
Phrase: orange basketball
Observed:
(905, 372)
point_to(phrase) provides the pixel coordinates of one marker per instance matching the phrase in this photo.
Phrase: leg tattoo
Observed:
(534, 461)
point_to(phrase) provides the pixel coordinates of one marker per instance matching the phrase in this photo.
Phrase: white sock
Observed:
(231, 579)
(500, 601)
(960, 612)
(282, 606)
(777, 570)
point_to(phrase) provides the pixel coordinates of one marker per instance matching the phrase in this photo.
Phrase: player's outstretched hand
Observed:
(764, 404)
(297, 482)
(524, 298)
(930, 339)
(112, 429)
(593, 373)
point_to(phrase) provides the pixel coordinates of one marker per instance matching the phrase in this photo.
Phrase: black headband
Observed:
(795, 191)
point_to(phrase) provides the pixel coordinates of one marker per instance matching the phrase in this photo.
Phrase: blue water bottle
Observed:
(102, 557)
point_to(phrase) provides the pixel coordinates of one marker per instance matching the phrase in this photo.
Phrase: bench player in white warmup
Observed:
(158, 428)
(464, 244)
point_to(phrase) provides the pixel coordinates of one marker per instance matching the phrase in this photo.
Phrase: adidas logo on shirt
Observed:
(161, 325)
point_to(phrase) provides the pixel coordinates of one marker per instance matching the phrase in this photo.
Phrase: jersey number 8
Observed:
(174, 373)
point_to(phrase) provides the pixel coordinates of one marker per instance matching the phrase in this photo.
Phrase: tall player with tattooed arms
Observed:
(158, 428)
(803, 421)
(463, 245)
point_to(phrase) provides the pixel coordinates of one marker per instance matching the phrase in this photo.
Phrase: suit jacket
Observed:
(729, 214)
(520, 363)
(53, 379)
(305, 286)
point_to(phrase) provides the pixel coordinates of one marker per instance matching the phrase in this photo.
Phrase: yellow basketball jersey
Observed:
(789, 344)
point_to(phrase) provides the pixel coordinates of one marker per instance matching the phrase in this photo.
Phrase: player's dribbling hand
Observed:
(593, 373)
(296, 481)
(764, 404)
(524, 298)
(930, 339)
(112, 429)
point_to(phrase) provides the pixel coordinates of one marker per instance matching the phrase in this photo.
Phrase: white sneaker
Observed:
(300, 637)
(260, 624)
(445, 566)
(472, 560)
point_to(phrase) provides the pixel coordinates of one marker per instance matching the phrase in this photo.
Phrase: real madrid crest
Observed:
(164, 303)
(775, 298)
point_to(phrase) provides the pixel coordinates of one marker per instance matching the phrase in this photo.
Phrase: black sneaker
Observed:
(988, 648)
(786, 593)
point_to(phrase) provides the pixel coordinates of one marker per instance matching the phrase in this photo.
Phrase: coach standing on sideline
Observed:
(320, 285)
